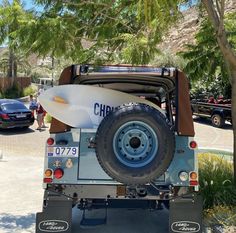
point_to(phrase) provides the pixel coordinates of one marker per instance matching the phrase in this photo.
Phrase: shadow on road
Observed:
(206, 121)
(15, 131)
(124, 221)
(16, 223)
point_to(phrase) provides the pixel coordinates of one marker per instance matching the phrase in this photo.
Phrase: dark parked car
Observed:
(14, 114)
(218, 111)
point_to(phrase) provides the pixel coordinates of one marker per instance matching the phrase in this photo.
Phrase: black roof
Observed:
(162, 71)
(9, 101)
(125, 78)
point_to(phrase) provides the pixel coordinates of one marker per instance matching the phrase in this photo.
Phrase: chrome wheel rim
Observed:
(216, 120)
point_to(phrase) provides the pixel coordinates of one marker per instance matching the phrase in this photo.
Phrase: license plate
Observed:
(63, 151)
(20, 115)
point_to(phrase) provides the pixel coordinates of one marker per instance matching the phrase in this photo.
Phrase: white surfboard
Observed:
(84, 106)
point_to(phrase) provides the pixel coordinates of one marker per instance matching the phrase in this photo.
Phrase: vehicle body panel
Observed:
(86, 168)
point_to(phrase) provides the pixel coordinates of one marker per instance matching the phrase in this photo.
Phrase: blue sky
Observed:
(184, 7)
(29, 4)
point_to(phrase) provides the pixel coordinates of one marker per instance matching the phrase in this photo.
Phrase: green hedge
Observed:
(15, 92)
(30, 90)
(12, 93)
(220, 215)
(48, 118)
(218, 190)
(216, 181)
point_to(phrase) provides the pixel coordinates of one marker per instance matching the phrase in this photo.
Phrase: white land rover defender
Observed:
(121, 136)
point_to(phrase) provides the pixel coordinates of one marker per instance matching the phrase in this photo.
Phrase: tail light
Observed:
(193, 145)
(193, 183)
(48, 176)
(50, 141)
(47, 180)
(48, 173)
(58, 173)
(5, 116)
(193, 176)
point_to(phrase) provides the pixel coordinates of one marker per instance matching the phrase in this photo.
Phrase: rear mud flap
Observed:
(56, 216)
(186, 214)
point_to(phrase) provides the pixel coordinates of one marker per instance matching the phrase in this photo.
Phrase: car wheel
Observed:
(217, 120)
(135, 144)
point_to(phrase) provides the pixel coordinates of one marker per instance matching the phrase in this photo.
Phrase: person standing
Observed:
(32, 104)
(39, 112)
(41, 90)
(43, 123)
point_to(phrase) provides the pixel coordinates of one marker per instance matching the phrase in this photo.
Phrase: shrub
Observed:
(48, 118)
(13, 92)
(216, 181)
(220, 215)
(30, 90)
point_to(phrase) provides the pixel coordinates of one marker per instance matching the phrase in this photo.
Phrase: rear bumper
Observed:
(185, 213)
(16, 124)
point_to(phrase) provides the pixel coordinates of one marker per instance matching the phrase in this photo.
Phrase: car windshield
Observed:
(12, 106)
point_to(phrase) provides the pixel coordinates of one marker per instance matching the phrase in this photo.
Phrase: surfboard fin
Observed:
(60, 100)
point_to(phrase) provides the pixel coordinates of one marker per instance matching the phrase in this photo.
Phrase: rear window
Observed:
(12, 106)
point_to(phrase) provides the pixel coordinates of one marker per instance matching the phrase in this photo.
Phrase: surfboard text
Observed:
(101, 109)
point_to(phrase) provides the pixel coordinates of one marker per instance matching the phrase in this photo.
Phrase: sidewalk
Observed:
(22, 193)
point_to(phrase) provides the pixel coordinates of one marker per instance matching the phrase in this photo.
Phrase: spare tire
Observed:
(135, 144)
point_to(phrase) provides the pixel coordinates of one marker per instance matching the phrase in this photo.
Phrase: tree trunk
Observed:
(233, 112)
(10, 64)
(14, 68)
(53, 67)
(216, 15)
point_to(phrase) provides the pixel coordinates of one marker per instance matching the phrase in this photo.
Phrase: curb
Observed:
(1, 155)
(225, 153)
(23, 99)
(216, 151)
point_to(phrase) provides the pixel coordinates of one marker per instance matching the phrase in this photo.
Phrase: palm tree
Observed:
(13, 17)
(4, 61)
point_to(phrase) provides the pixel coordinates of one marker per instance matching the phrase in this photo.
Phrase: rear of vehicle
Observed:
(14, 114)
(139, 156)
(45, 83)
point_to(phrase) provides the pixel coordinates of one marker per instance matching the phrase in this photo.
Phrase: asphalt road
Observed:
(21, 193)
(211, 137)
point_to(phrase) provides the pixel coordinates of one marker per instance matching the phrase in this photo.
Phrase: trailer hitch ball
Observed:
(142, 192)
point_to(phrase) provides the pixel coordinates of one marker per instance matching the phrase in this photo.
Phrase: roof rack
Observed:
(84, 69)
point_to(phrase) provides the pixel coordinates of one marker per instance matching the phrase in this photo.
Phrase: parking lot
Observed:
(211, 137)
(21, 193)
